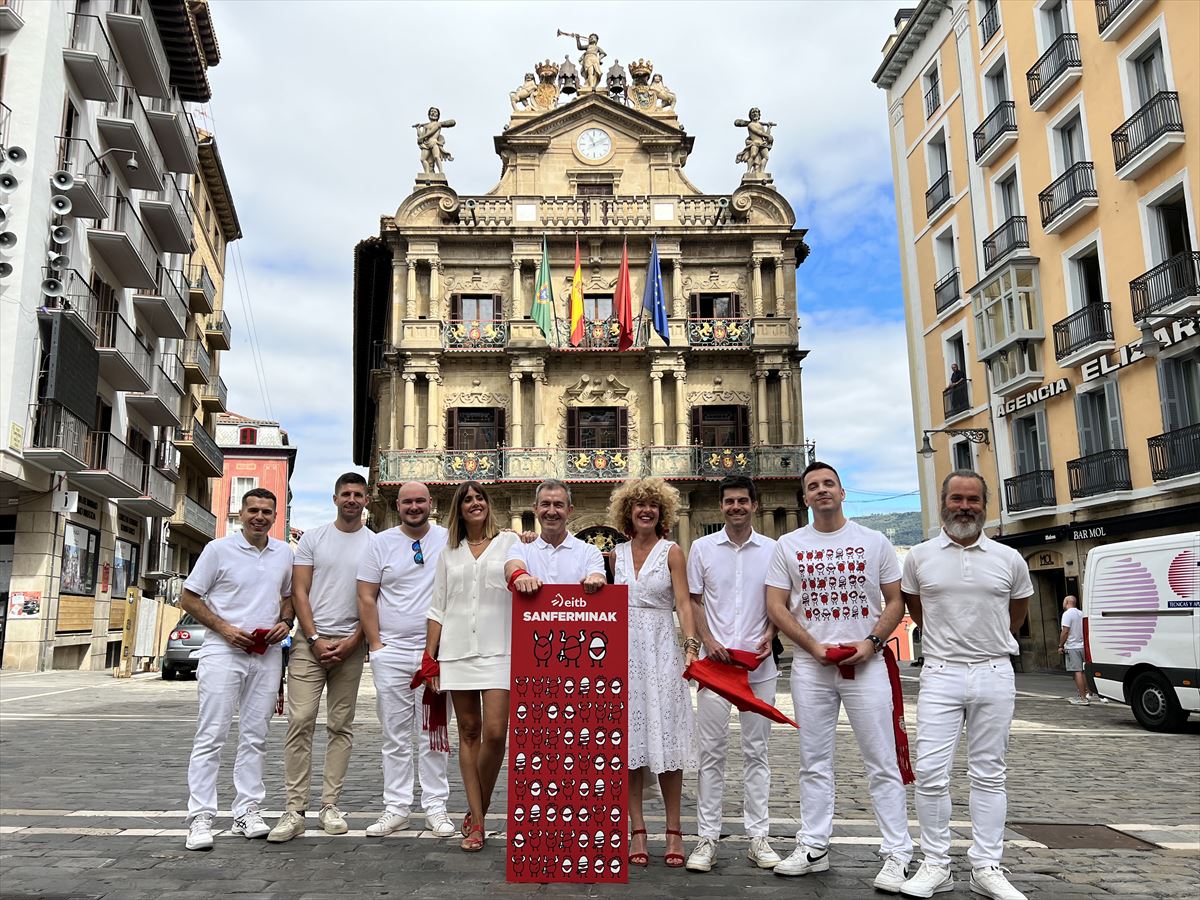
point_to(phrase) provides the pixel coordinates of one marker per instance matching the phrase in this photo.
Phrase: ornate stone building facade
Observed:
(454, 378)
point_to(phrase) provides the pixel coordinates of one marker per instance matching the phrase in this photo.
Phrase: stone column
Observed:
(785, 406)
(793, 518)
(410, 411)
(393, 412)
(434, 427)
(397, 301)
(797, 408)
(515, 523)
(515, 426)
(761, 431)
(756, 281)
(680, 304)
(657, 408)
(682, 438)
(517, 311)
(683, 528)
(411, 295)
(435, 289)
(539, 410)
(780, 292)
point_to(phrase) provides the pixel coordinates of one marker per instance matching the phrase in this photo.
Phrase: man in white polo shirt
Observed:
(327, 657)
(395, 588)
(556, 556)
(969, 595)
(834, 585)
(239, 590)
(727, 574)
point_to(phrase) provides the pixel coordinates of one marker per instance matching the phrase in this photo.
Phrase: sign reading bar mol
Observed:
(1038, 394)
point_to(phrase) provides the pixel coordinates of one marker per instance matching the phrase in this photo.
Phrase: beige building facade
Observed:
(454, 379)
(1046, 158)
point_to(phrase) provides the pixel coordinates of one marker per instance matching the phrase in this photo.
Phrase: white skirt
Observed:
(662, 723)
(476, 673)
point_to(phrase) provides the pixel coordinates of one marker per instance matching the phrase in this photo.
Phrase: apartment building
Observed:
(107, 325)
(1046, 158)
(257, 453)
(454, 377)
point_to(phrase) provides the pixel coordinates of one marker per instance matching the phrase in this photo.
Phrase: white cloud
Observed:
(312, 108)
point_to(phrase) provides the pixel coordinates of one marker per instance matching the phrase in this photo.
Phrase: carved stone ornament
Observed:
(546, 96)
(590, 390)
(732, 398)
(475, 397)
(477, 282)
(640, 95)
(714, 282)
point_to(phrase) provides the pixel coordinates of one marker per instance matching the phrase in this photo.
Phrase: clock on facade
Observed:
(594, 143)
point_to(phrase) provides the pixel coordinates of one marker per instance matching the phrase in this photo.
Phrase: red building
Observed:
(257, 454)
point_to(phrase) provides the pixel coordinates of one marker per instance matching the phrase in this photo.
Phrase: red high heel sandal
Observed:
(674, 860)
(638, 859)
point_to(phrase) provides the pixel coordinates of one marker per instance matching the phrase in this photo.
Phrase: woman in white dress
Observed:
(468, 633)
(662, 733)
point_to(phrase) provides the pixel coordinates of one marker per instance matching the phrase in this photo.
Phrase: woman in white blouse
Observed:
(468, 633)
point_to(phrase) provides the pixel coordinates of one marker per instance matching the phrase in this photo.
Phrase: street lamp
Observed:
(974, 435)
(1151, 346)
(131, 162)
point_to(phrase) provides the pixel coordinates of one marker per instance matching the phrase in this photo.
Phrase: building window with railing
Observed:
(989, 20)
(597, 442)
(1176, 452)
(937, 160)
(473, 438)
(933, 91)
(1032, 487)
(476, 322)
(721, 435)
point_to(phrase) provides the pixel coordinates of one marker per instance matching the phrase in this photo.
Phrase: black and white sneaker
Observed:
(804, 860)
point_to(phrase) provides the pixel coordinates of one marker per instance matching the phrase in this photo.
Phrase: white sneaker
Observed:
(702, 858)
(386, 824)
(1096, 698)
(290, 825)
(762, 854)
(200, 836)
(804, 861)
(1079, 701)
(892, 876)
(989, 881)
(251, 825)
(929, 880)
(331, 819)
(439, 823)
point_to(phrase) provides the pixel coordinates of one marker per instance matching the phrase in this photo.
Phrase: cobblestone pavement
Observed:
(92, 789)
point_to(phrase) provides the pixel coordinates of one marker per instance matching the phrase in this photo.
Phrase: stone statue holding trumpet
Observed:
(589, 63)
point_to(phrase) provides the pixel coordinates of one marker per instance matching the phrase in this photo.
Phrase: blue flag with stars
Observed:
(653, 298)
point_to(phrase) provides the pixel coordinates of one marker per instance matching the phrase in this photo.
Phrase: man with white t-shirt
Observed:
(239, 590)
(395, 588)
(326, 658)
(1070, 645)
(726, 574)
(834, 585)
(556, 556)
(969, 596)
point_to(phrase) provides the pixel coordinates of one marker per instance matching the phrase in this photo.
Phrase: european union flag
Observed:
(653, 298)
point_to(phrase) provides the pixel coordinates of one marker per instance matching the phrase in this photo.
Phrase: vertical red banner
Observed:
(568, 780)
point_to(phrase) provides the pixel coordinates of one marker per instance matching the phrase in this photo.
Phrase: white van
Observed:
(1141, 626)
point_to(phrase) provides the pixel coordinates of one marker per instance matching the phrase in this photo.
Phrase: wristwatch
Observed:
(312, 639)
(876, 642)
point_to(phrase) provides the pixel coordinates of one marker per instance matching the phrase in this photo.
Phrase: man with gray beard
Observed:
(969, 596)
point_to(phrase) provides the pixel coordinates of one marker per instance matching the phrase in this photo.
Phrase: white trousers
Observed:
(229, 679)
(984, 696)
(399, 708)
(712, 726)
(818, 692)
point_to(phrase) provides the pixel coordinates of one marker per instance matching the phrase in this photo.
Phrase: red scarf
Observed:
(903, 760)
(435, 717)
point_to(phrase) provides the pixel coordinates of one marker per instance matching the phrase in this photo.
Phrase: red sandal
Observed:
(674, 860)
(466, 825)
(638, 859)
(474, 841)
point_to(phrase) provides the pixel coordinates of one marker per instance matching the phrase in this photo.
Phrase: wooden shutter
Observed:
(573, 427)
(1112, 402)
(696, 413)
(1172, 393)
(694, 305)
(622, 426)
(497, 307)
(735, 305)
(1085, 418)
(743, 426)
(452, 428)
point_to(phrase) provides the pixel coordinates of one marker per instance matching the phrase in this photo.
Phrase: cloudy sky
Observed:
(312, 108)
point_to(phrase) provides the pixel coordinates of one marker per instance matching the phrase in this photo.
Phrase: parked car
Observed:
(1141, 607)
(182, 648)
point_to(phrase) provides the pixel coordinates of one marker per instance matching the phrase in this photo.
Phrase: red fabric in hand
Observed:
(840, 652)
(260, 641)
(435, 717)
(731, 680)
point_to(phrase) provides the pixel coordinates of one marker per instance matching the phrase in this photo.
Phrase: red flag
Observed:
(623, 302)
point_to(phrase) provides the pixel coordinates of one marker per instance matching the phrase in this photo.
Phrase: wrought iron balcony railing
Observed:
(1165, 285)
(1099, 473)
(947, 290)
(1000, 121)
(719, 333)
(473, 465)
(475, 334)
(933, 99)
(1161, 115)
(1012, 235)
(1075, 184)
(1107, 12)
(1175, 453)
(1082, 328)
(1060, 56)
(599, 334)
(1033, 490)
(938, 193)
(717, 462)
(989, 24)
(956, 399)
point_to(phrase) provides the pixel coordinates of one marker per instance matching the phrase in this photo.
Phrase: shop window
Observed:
(125, 567)
(80, 557)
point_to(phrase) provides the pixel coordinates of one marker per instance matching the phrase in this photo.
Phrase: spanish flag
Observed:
(575, 304)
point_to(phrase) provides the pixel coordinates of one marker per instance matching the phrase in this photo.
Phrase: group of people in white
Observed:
(432, 606)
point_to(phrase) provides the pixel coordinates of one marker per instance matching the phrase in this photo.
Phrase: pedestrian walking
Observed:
(969, 594)
(239, 590)
(556, 556)
(1070, 645)
(395, 587)
(727, 573)
(833, 587)
(326, 658)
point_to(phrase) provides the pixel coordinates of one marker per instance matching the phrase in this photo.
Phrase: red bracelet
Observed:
(514, 576)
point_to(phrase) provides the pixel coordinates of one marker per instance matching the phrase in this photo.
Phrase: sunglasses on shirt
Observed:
(418, 556)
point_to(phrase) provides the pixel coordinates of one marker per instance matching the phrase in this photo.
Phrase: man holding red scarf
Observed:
(395, 588)
(833, 587)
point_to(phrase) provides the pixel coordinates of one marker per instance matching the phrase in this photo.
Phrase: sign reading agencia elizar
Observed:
(1037, 395)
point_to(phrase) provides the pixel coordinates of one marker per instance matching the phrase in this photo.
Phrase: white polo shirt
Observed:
(334, 556)
(242, 584)
(405, 587)
(965, 593)
(568, 563)
(733, 582)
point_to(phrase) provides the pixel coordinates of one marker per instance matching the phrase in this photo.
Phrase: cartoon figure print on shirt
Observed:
(833, 583)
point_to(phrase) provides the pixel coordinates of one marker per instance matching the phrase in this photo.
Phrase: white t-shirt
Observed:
(405, 586)
(965, 595)
(334, 556)
(568, 563)
(733, 582)
(835, 579)
(1072, 619)
(242, 584)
